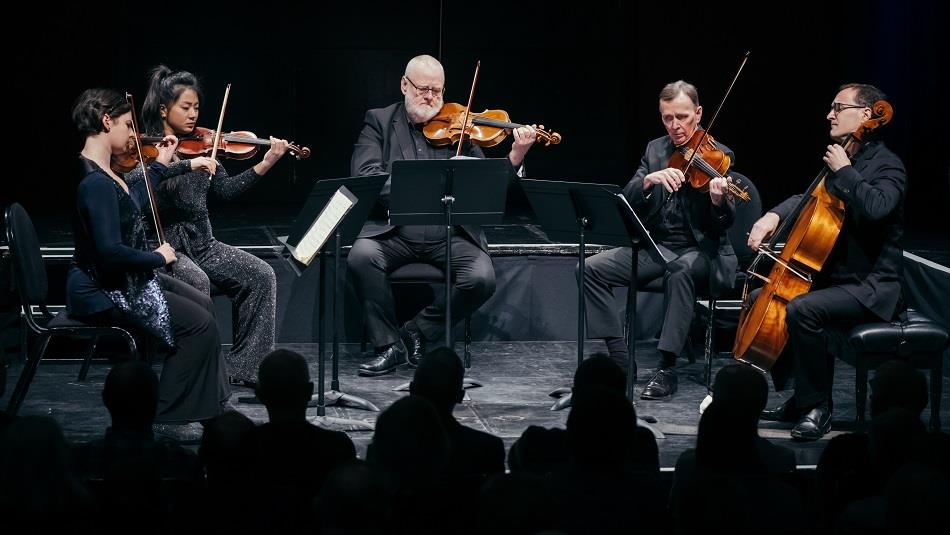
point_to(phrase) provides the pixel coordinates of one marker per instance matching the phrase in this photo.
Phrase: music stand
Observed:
(365, 190)
(591, 212)
(458, 191)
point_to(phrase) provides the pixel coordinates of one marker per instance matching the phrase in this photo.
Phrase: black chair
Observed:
(422, 273)
(912, 337)
(747, 213)
(29, 278)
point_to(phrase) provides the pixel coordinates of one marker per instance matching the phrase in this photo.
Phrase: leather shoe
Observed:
(786, 412)
(813, 425)
(180, 433)
(416, 344)
(661, 385)
(386, 361)
(234, 381)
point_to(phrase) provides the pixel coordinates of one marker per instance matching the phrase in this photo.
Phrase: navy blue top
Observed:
(110, 242)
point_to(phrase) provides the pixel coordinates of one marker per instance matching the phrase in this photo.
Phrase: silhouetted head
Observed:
(409, 444)
(283, 384)
(131, 395)
(896, 384)
(439, 379)
(601, 370)
(743, 385)
(228, 449)
(726, 440)
(600, 427)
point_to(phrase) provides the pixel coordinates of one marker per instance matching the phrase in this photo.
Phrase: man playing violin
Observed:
(395, 133)
(860, 281)
(688, 226)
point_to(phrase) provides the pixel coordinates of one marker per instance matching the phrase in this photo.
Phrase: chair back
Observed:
(747, 213)
(29, 271)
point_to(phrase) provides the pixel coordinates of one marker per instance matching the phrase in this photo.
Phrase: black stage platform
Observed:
(524, 341)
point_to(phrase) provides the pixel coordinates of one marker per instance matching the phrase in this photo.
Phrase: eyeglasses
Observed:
(436, 91)
(838, 106)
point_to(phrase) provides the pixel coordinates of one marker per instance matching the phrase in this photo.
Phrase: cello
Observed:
(762, 334)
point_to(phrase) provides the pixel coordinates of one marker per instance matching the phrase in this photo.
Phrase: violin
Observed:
(238, 145)
(700, 161)
(129, 160)
(485, 129)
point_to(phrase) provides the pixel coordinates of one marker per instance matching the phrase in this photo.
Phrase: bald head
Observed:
(424, 64)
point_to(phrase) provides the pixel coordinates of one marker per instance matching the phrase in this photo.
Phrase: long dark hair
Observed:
(94, 104)
(164, 88)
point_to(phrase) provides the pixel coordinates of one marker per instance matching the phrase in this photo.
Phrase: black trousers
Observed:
(193, 382)
(681, 279)
(371, 260)
(810, 319)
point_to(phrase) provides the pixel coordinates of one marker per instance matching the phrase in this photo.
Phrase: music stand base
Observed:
(466, 384)
(342, 399)
(333, 423)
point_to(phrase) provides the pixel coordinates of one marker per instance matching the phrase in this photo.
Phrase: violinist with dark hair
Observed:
(171, 107)
(396, 133)
(112, 279)
(861, 280)
(686, 223)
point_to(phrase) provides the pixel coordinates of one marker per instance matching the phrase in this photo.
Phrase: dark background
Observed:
(589, 70)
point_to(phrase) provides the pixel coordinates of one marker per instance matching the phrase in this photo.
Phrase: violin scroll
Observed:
(547, 138)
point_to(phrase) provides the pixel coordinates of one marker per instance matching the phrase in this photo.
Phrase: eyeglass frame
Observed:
(423, 90)
(838, 107)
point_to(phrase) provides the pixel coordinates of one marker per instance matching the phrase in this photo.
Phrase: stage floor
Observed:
(517, 376)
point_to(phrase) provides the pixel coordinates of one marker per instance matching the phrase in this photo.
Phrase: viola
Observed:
(129, 160)
(700, 161)
(237, 145)
(485, 129)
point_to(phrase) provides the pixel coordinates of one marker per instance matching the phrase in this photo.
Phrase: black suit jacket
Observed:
(385, 138)
(707, 221)
(867, 258)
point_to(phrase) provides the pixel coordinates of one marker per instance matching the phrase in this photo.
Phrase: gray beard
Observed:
(421, 113)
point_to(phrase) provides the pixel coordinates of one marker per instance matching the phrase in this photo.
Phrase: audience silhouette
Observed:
(295, 455)
(129, 469)
(473, 453)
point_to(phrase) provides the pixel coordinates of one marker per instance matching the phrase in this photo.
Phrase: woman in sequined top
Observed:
(171, 108)
(112, 279)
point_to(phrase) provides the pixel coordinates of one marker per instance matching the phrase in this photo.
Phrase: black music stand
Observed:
(366, 190)
(458, 191)
(597, 213)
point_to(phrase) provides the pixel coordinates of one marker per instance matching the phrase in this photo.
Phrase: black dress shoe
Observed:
(416, 344)
(234, 381)
(786, 412)
(813, 425)
(386, 361)
(661, 385)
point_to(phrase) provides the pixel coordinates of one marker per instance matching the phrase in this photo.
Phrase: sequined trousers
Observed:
(252, 286)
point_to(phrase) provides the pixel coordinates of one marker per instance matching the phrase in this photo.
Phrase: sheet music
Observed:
(651, 246)
(321, 229)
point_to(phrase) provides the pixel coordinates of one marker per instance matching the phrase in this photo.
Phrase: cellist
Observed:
(860, 282)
